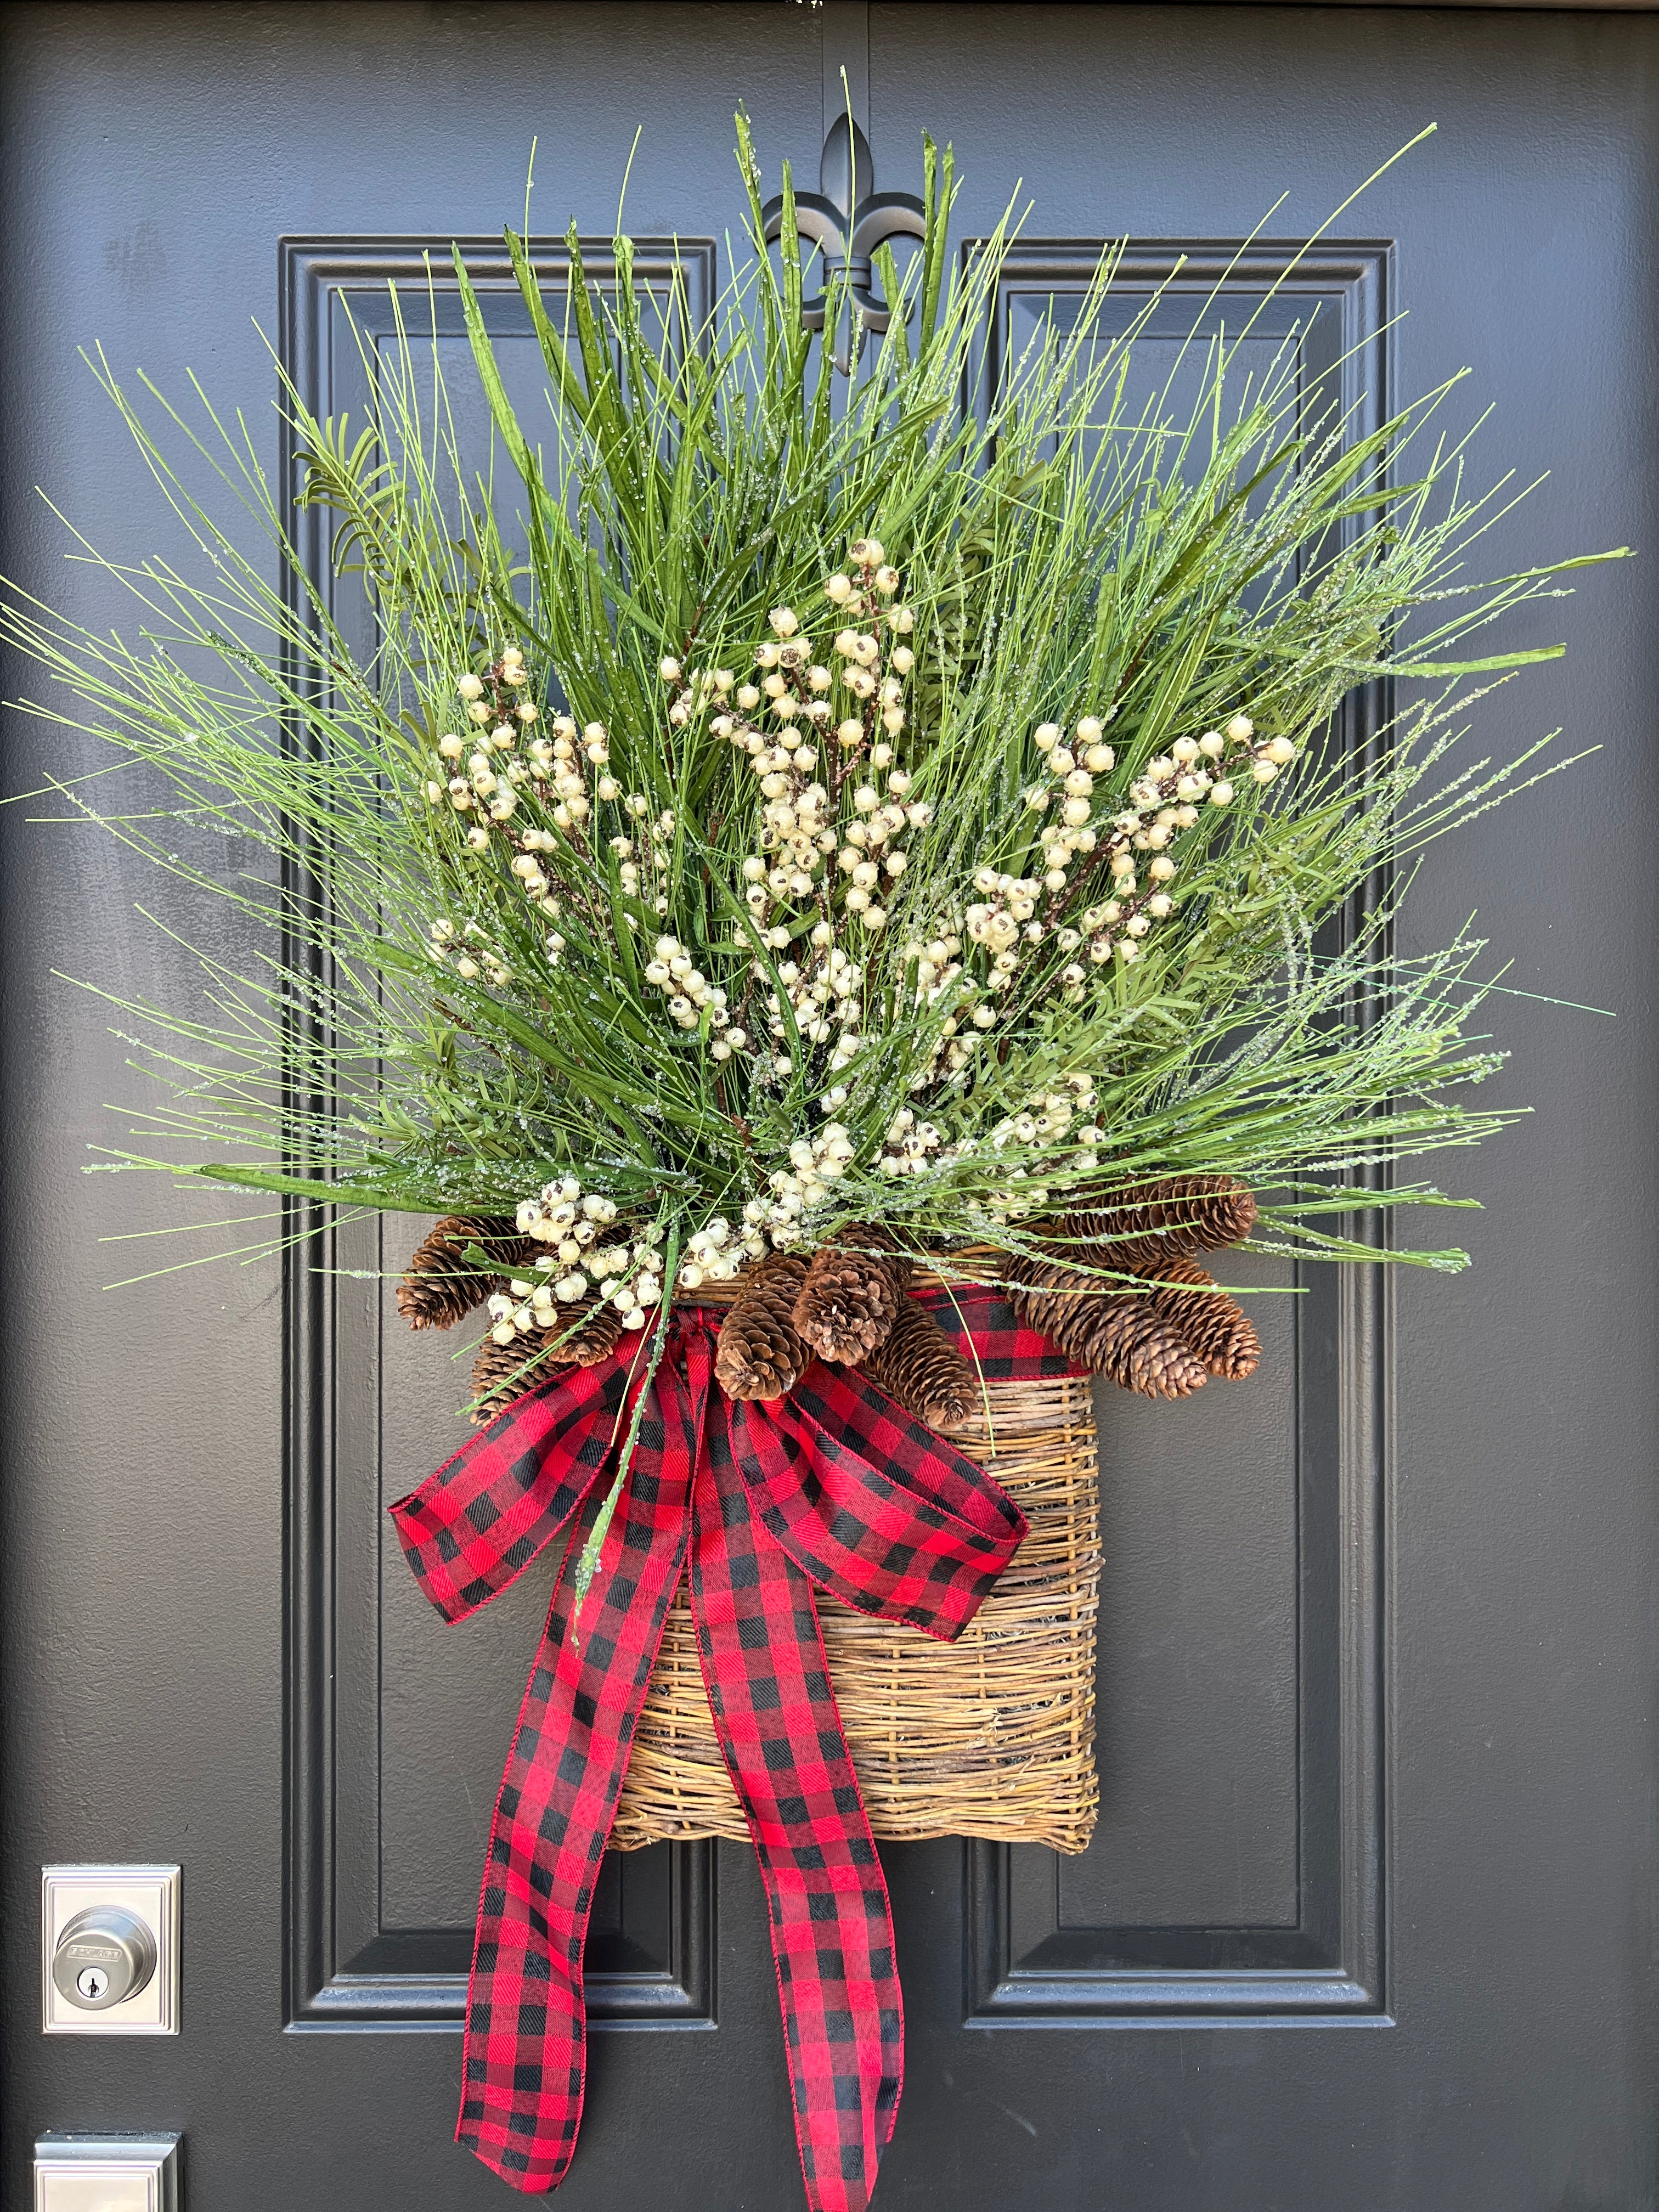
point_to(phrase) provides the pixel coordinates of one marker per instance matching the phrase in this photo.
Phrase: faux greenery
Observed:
(463, 1007)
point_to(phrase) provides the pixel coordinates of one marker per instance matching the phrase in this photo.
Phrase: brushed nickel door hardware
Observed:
(109, 1950)
(107, 2173)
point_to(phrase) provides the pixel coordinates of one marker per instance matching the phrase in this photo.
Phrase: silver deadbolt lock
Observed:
(104, 1956)
(109, 1950)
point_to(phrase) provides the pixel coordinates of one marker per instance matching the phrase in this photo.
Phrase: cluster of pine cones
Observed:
(1167, 1339)
(1163, 1327)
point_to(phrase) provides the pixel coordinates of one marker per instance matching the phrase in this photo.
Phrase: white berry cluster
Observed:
(796, 828)
(692, 693)
(1070, 773)
(873, 857)
(530, 797)
(466, 952)
(938, 970)
(800, 812)
(557, 761)
(690, 996)
(1049, 1119)
(825, 998)
(875, 659)
(1005, 916)
(642, 861)
(481, 775)
(715, 1254)
(629, 1276)
(1001, 920)
(561, 1214)
(1165, 801)
(627, 1273)
(912, 1147)
(853, 805)
(937, 964)
(789, 859)
(1049, 1115)
(523, 1306)
(815, 1162)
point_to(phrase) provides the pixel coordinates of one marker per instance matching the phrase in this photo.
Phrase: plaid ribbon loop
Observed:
(834, 1487)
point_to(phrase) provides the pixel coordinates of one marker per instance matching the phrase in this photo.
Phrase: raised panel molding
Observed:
(1024, 1965)
(654, 1966)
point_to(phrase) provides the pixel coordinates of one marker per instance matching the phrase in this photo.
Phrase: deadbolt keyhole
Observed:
(104, 1956)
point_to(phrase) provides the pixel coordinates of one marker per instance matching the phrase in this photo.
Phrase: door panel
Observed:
(1236, 1864)
(397, 1725)
(1366, 1919)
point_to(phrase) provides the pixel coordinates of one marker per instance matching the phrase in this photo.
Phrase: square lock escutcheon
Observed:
(109, 1942)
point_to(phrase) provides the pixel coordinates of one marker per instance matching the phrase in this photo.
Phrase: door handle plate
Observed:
(107, 2173)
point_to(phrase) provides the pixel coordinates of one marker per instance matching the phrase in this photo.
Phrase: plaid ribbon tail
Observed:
(831, 1925)
(524, 2062)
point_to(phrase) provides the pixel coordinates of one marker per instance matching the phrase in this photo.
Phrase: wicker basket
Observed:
(992, 1735)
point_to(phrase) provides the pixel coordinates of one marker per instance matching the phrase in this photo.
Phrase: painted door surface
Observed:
(1367, 1921)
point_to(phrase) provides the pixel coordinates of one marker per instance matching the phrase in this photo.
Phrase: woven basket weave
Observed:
(992, 1735)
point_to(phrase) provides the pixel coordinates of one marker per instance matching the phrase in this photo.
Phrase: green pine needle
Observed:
(399, 1031)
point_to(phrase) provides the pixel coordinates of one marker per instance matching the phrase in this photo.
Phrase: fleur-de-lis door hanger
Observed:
(848, 222)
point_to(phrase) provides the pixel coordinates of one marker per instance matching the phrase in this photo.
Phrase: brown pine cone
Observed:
(1212, 1324)
(850, 1298)
(919, 1366)
(502, 1372)
(1117, 1334)
(1148, 1354)
(1191, 1213)
(1055, 1300)
(761, 1354)
(596, 1339)
(1093, 1242)
(439, 1287)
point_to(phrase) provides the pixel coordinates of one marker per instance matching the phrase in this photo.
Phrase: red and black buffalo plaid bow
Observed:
(834, 1487)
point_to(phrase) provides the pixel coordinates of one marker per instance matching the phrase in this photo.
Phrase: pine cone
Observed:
(1117, 1334)
(919, 1366)
(439, 1287)
(1212, 1324)
(1095, 1244)
(1148, 1355)
(502, 1372)
(849, 1300)
(596, 1339)
(1060, 1303)
(1191, 1213)
(760, 1353)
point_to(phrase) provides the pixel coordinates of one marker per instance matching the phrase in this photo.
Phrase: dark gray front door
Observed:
(1367, 1921)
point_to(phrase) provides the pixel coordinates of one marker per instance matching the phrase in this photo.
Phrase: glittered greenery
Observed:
(1137, 598)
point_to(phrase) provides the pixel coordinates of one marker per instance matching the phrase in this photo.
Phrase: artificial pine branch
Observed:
(872, 916)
